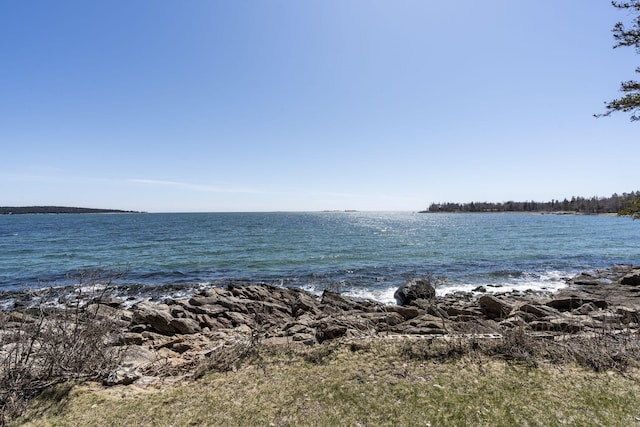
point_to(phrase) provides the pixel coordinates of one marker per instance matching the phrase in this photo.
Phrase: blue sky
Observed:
(310, 105)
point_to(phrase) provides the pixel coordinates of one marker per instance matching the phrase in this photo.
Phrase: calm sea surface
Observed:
(364, 254)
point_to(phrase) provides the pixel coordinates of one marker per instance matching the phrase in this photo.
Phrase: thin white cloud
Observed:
(25, 177)
(189, 186)
(47, 168)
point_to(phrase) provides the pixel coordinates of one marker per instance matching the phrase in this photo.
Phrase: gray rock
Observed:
(436, 310)
(337, 301)
(239, 318)
(134, 338)
(585, 309)
(303, 337)
(185, 325)
(557, 325)
(212, 310)
(122, 376)
(390, 319)
(591, 278)
(198, 300)
(418, 330)
(628, 314)
(155, 315)
(138, 357)
(207, 321)
(330, 329)
(494, 307)
(253, 292)
(606, 317)
(526, 317)
(464, 311)
(407, 312)
(20, 317)
(109, 301)
(632, 278)
(234, 304)
(178, 311)
(268, 307)
(181, 347)
(514, 321)
(570, 300)
(120, 316)
(426, 321)
(297, 328)
(538, 310)
(414, 289)
(303, 304)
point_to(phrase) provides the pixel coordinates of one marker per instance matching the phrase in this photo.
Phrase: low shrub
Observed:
(42, 346)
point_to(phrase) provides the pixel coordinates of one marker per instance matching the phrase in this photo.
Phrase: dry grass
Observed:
(599, 352)
(377, 383)
(519, 379)
(45, 346)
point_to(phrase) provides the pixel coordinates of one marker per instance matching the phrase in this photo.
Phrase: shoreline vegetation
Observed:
(267, 355)
(21, 210)
(614, 205)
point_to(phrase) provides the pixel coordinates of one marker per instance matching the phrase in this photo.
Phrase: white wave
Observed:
(384, 296)
(551, 281)
(312, 289)
(7, 304)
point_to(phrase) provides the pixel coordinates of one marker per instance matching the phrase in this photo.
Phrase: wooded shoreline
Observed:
(21, 210)
(580, 205)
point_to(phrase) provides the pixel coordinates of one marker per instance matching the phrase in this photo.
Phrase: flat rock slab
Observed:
(617, 285)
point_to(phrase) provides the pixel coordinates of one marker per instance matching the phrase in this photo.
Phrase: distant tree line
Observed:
(54, 210)
(594, 205)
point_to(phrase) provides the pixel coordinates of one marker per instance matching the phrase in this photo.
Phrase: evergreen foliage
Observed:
(54, 210)
(595, 205)
(632, 209)
(629, 37)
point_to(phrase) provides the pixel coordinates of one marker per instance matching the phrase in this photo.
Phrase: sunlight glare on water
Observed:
(367, 254)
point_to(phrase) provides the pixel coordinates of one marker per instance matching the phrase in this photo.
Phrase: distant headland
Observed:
(7, 210)
(577, 205)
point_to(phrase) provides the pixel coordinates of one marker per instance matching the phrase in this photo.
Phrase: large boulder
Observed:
(629, 314)
(413, 290)
(135, 359)
(538, 311)
(592, 278)
(303, 304)
(632, 278)
(330, 329)
(494, 307)
(406, 312)
(185, 325)
(253, 292)
(566, 300)
(384, 319)
(198, 300)
(336, 301)
(234, 304)
(158, 316)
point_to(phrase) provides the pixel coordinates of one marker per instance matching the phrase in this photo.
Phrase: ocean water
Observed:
(362, 254)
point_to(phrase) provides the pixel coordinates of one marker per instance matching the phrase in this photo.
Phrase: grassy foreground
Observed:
(377, 383)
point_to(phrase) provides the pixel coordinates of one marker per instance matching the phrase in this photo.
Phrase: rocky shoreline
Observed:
(169, 340)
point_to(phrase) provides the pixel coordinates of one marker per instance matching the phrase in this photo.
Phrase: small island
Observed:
(7, 210)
